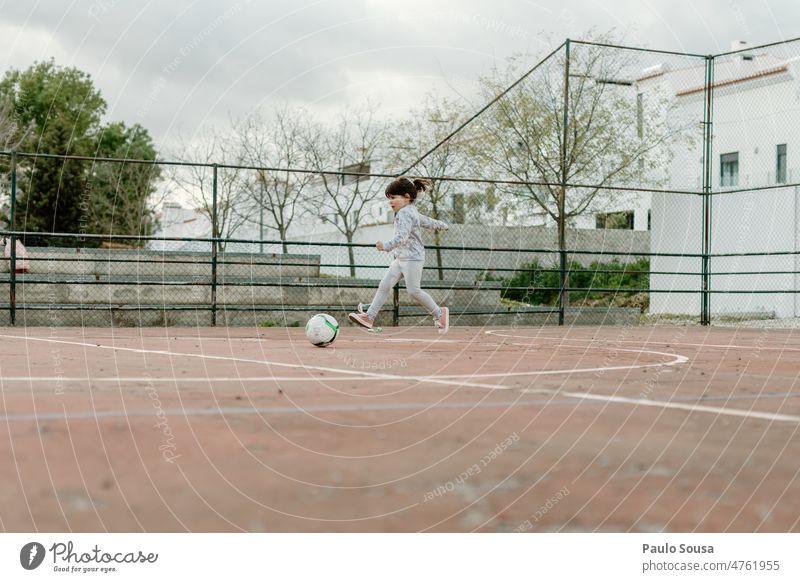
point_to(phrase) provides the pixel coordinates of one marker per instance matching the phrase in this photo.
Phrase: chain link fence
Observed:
(603, 184)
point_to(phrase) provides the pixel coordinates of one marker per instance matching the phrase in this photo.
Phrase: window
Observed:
(780, 164)
(729, 169)
(614, 220)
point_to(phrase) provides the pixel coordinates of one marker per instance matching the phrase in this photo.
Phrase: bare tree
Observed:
(566, 171)
(196, 182)
(413, 137)
(349, 145)
(277, 140)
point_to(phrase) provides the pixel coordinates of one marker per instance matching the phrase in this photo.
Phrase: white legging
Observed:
(411, 271)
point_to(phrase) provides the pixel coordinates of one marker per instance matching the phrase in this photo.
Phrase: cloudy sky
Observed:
(177, 65)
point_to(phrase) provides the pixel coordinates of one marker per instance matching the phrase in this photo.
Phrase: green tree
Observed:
(61, 111)
(118, 196)
(613, 136)
(11, 134)
(66, 109)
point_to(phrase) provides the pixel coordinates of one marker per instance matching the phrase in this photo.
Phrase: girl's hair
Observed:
(410, 186)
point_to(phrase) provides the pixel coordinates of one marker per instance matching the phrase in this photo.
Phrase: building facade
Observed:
(755, 145)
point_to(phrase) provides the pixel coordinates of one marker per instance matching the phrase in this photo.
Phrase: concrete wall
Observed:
(104, 287)
(511, 249)
(149, 263)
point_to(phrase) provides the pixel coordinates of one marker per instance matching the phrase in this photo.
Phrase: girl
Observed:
(409, 253)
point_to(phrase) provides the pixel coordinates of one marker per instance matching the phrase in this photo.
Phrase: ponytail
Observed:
(410, 186)
(421, 184)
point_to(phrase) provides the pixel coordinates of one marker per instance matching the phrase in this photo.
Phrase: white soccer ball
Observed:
(322, 329)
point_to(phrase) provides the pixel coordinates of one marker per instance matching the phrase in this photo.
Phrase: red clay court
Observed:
(485, 429)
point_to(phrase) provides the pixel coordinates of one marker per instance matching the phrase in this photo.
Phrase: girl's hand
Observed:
(379, 245)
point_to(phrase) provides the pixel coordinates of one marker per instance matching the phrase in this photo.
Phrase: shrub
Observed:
(539, 285)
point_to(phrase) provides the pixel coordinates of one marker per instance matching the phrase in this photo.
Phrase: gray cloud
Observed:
(178, 65)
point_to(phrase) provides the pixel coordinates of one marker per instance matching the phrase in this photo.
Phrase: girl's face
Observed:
(398, 201)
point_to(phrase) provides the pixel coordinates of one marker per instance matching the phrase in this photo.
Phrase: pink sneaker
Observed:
(443, 321)
(361, 319)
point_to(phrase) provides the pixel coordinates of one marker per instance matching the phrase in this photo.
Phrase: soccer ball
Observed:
(322, 329)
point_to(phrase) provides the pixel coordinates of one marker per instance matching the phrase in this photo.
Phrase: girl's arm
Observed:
(432, 223)
(402, 230)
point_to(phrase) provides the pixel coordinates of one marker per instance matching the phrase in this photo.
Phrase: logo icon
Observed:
(31, 555)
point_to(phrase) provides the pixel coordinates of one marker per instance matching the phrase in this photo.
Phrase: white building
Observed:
(756, 118)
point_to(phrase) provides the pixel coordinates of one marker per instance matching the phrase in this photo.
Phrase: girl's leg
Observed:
(389, 280)
(412, 272)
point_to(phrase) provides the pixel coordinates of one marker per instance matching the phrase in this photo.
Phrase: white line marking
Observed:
(182, 379)
(427, 340)
(772, 416)
(676, 360)
(439, 378)
(431, 379)
(579, 395)
(601, 341)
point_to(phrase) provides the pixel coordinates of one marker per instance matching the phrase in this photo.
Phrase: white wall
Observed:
(676, 228)
(745, 222)
(763, 221)
(750, 118)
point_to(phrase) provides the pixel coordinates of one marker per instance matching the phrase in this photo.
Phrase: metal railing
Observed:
(214, 272)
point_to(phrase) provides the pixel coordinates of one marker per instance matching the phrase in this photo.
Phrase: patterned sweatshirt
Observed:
(407, 240)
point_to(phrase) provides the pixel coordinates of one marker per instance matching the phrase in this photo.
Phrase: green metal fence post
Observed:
(12, 300)
(708, 116)
(562, 202)
(214, 235)
(396, 305)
